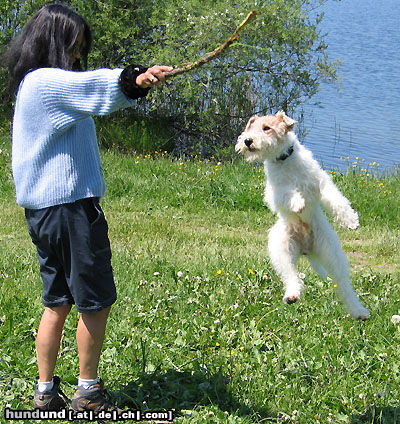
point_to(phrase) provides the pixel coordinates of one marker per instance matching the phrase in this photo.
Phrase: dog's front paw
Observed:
(297, 203)
(354, 221)
(348, 218)
(351, 220)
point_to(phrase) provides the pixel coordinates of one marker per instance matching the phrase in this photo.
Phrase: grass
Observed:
(199, 325)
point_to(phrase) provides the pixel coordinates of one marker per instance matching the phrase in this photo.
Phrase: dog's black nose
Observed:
(248, 142)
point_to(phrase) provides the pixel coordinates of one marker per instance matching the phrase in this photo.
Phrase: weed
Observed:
(199, 325)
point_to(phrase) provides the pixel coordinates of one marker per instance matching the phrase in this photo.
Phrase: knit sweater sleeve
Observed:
(72, 96)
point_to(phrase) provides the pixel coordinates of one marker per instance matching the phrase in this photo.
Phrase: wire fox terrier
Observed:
(296, 187)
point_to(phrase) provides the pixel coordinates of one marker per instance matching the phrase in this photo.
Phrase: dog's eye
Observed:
(266, 128)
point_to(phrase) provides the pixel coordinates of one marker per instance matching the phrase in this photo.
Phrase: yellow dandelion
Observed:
(251, 271)
(217, 344)
(233, 352)
(335, 286)
(219, 272)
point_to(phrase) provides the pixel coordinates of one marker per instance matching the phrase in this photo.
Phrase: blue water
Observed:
(360, 117)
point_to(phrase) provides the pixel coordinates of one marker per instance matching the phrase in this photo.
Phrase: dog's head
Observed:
(265, 137)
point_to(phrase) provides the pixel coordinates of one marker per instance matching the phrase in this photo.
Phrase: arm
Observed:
(135, 80)
(72, 96)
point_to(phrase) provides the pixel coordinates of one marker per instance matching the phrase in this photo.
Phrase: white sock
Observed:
(45, 386)
(87, 383)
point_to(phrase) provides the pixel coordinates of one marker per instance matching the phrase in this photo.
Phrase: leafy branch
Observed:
(216, 52)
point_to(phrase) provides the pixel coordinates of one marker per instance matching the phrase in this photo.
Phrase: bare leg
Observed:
(48, 339)
(90, 336)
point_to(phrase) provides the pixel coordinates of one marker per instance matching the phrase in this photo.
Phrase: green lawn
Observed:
(199, 325)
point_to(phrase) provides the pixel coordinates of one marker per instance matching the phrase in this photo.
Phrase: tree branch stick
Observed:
(210, 56)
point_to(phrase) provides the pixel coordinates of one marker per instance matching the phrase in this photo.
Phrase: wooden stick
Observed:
(209, 56)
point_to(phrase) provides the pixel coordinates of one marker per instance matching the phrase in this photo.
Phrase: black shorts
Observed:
(74, 254)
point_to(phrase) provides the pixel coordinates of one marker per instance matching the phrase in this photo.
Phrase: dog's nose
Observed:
(248, 142)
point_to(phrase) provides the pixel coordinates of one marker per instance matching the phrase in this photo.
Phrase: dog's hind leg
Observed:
(329, 253)
(284, 253)
(317, 266)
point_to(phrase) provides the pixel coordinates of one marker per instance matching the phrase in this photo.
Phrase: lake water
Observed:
(362, 118)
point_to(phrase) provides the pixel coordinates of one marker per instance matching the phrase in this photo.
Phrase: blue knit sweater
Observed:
(55, 155)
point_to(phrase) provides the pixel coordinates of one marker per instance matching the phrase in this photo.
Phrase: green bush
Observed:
(129, 132)
(276, 64)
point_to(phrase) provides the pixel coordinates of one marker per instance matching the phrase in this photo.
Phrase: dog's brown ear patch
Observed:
(251, 121)
(289, 122)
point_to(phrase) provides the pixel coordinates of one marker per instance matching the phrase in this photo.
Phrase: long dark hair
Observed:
(47, 40)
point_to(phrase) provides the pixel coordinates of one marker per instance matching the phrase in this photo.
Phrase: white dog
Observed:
(295, 189)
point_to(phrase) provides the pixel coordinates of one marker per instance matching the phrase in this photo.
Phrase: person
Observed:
(59, 181)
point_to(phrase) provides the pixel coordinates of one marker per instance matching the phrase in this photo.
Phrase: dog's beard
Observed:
(253, 156)
(252, 153)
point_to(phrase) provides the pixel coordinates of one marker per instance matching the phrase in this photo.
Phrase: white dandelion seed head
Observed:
(395, 319)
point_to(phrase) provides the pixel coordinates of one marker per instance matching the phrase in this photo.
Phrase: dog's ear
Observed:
(289, 122)
(251, 121)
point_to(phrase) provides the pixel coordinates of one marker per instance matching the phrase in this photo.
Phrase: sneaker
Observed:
(95, 398)
(51, 400)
